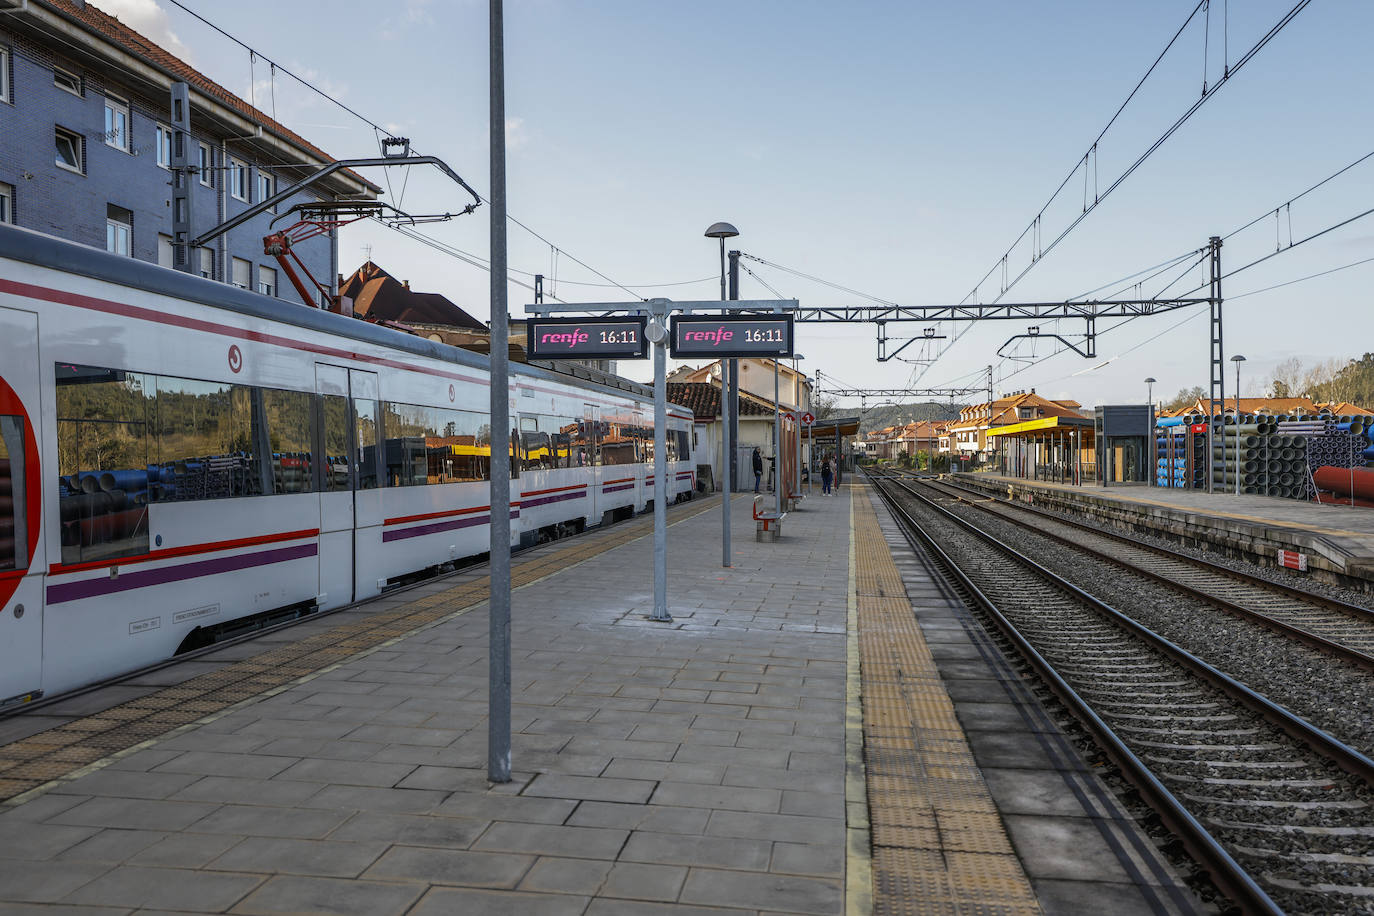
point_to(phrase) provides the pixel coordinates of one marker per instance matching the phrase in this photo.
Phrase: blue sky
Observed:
(895, 148)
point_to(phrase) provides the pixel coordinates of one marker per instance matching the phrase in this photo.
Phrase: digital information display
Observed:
(732, 336)
(586, 338)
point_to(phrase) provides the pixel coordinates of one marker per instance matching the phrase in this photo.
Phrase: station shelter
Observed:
(1112, 447)
(827, 439)
(1055, 449)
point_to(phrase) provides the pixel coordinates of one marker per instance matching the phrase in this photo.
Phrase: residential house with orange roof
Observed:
(1272, 407)
(86, 149)
(968, 434)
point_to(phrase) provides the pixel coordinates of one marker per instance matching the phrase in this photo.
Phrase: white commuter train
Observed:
(179, 457)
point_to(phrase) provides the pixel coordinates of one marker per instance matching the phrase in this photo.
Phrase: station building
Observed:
(86, 149)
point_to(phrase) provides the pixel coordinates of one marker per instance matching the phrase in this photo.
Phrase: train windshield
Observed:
(14, 552)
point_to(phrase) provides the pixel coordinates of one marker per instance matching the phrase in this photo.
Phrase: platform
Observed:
(1338, 540)
(796, 741)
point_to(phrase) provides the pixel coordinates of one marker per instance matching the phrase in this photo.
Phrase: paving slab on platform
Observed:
(691, 767)
(1040, 811)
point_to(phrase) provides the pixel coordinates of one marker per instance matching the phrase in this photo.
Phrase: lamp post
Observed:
(1237, 359)
(498, 621)
(1150, 430)
(797, 396)
(725, 231)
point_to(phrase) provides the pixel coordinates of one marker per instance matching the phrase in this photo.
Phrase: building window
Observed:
(207, 166)
(266, 188)
(164, 146)
(66, 80)
(116, 123)
(243, 273)
(207, 263)
(238, 180)
(4, 74)
(119, 230)
(6, 203)
(267, 281)
(71, 151)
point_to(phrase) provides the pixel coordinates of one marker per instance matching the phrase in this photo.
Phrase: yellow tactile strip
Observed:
(939, 846)
(58, 753)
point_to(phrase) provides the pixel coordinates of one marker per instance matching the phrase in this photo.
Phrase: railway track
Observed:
(1336, 627)
(1277, 811)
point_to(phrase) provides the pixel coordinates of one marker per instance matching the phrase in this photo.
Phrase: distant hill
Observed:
(893, 414)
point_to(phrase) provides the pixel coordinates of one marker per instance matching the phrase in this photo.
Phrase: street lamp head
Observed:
(1149, 381)
(721, 231)
(1238, 358)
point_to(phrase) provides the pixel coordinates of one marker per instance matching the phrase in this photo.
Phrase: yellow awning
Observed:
(1043, 423)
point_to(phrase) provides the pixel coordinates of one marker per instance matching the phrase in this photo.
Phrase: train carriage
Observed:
(178, 457)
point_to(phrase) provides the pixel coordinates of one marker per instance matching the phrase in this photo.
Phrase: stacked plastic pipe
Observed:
(1260, 454)
(1180, 452)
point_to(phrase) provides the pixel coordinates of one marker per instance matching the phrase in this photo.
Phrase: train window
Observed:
(365, 422)
(336, 450)
(210, 438)
(289, 421)
(14, 552)
(102, 462)
(432, 445)
(128, 439)
(535, 445)
(202, 441)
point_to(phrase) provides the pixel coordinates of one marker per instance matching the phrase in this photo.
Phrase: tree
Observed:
(1186, 397)
(1287, 379)
(823, 406)
(903, 458)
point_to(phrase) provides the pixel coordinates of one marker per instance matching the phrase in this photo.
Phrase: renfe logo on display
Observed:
(586, 338)
(731, 336)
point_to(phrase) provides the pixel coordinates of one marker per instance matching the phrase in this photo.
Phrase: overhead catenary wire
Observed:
(1196, 315)
(380, 130)
(1036, 227)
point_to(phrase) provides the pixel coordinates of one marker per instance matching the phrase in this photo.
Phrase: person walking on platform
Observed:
(826, 477)
(758, 468)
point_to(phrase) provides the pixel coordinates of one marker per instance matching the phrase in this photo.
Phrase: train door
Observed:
(21, 549)
(335, 483)
(589, 457)
(366, 438)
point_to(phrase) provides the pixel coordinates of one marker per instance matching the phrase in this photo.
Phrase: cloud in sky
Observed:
(411, 13)
(517, 137)
(149, 20)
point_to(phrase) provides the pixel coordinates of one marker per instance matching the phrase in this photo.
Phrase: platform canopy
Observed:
(1034, 429)
(827, 429)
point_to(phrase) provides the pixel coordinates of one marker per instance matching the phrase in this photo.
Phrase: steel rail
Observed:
(1344, 652)
(1344, 756)
(1225, 871)
(1335, 604)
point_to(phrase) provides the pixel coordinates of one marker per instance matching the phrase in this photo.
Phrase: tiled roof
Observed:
(116, 32)
(377, 296)
(703, 400)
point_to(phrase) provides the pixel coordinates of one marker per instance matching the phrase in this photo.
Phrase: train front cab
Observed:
(21, 548)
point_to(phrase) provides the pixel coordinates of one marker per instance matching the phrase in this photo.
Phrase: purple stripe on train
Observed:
(436, 527)
(545, 500)
(105, 585)
(623, 486)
